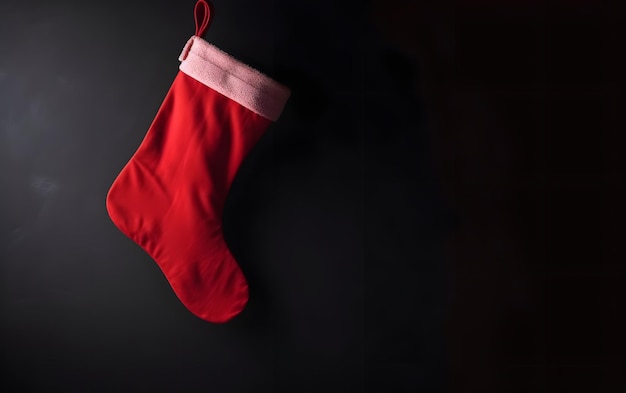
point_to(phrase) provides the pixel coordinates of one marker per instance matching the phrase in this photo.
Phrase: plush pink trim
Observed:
(232, 78)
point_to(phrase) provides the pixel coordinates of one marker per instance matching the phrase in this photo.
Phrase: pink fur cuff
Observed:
(232, 78)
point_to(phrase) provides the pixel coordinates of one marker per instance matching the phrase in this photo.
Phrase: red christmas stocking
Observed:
(170, 195)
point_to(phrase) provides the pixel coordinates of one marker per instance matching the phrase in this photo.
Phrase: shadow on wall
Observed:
(351, 156)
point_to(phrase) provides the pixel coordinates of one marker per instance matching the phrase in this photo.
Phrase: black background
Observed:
(384, 253)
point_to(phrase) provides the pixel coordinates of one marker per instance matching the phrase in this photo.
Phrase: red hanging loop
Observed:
(202, 15)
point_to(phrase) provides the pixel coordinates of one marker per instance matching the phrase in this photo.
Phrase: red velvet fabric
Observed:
(169, 197)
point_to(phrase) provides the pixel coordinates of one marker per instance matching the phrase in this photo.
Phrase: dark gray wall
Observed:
(362, 227)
